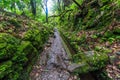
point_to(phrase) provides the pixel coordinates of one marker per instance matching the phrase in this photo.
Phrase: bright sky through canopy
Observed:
(50, 4)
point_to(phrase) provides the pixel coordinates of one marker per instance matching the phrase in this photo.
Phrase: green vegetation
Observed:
(90, 27)
(20, 44)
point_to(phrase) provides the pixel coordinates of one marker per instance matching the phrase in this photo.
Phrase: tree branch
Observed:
(77, 4)
(42, 6)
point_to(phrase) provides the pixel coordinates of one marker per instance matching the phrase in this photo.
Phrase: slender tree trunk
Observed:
(46, 10)
(13, 8)
(63, 6)
(59, 8)
(33, 6)
(46, 14)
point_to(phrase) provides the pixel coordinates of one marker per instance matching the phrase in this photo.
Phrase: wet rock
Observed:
(74, 66)
(89, 53)
(48, 45)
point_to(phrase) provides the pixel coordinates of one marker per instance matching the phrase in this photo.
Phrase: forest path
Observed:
(53, 62)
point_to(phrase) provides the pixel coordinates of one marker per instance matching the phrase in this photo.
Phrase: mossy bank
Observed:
(21, 40)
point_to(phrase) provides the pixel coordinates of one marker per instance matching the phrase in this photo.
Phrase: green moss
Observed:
(5, 68)
(91, 63)
(98, 48)
(102, 49)
(20, 53)
(26, 47)
(118, 37)
(15, 23)
(13, 76)
(4, 37)
(117, 30)
(98, 61)
(34, 36)
(17, 54)
(101, 75)
(77, 58)
(108, 34)
(8, 45)
(83, 69)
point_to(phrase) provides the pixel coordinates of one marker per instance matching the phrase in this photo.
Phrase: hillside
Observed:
(21, 41)
(59, 39)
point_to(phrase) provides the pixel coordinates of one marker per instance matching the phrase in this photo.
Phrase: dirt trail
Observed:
(53, 62)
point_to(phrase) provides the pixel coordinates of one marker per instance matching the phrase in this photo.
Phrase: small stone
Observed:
(60, 75)
(118, 53)
(110, 76)
(70, 79)
(75, 77)
(118, 75)
(112, 58)
(48, 45)
(36, 74)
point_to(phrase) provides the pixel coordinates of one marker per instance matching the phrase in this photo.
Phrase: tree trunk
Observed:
(46, 14)
(59, 8)
(33, 6)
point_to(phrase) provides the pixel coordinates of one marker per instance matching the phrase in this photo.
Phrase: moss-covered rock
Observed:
(34, 36)
(8, 46)
(20, 42)
(92, 61)
(5, 68)
(26, 52)
(15, 23)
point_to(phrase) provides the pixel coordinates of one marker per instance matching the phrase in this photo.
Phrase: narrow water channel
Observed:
(53, 62)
